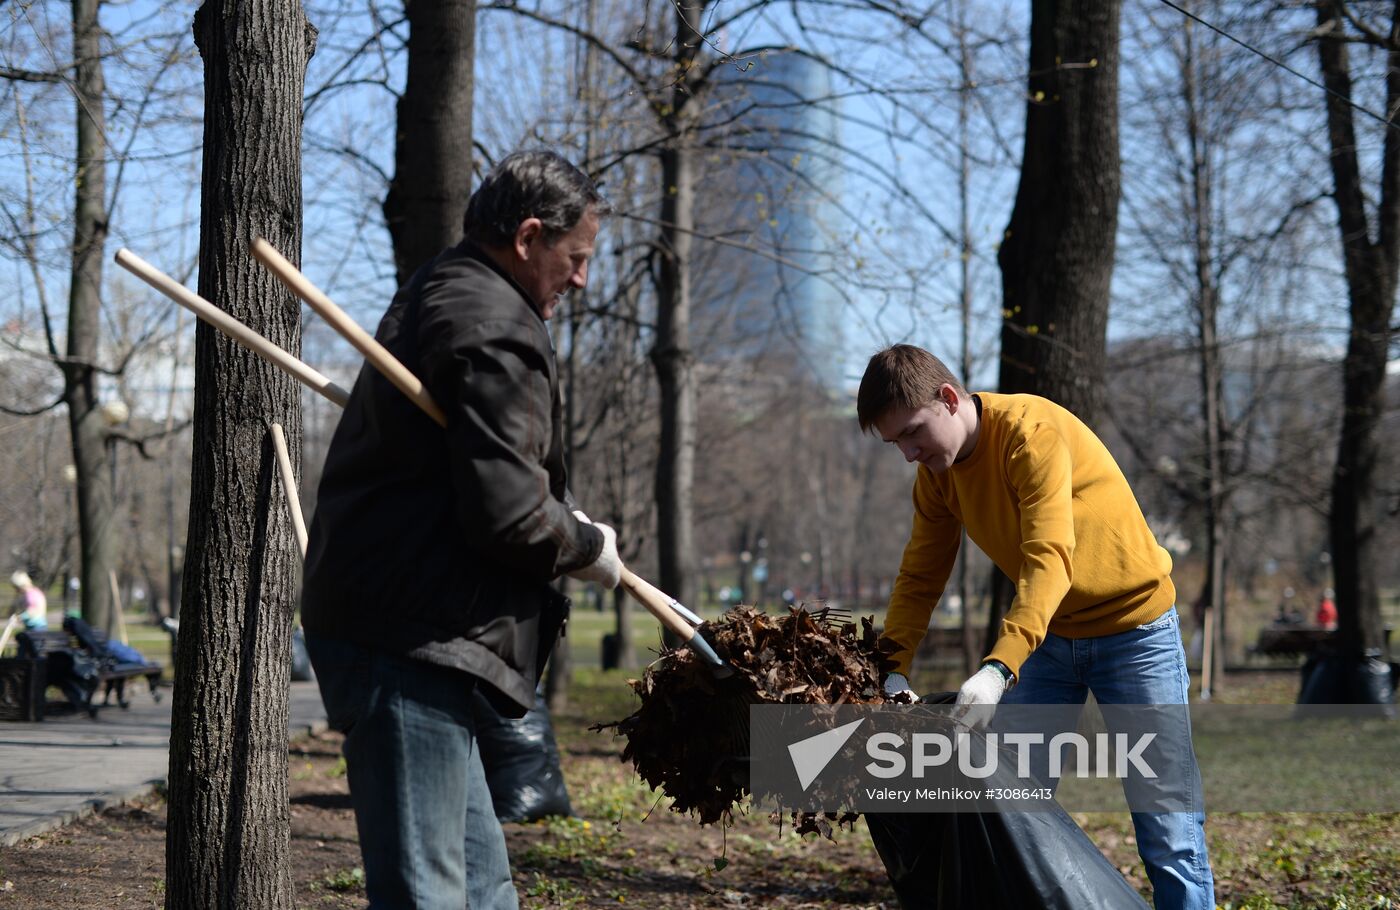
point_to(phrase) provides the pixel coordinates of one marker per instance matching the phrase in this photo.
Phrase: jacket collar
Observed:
(474, 251)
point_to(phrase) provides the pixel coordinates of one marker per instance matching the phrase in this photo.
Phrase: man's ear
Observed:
(530, 230)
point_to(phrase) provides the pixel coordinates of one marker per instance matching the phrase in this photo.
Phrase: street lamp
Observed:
(114, 414)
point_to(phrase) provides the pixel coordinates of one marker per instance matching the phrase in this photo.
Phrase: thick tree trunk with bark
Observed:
(228, 831)
(433, 146)
(1371, 271)
(1057, 255)
(674, 362)
(89, 431)
(672, 356)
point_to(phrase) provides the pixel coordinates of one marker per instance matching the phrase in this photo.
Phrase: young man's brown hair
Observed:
(900, 376)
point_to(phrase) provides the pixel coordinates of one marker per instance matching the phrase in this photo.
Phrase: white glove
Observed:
(986, 687)
(606, 570)
(897, 689)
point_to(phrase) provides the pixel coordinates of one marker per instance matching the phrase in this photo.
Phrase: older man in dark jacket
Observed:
(433, 550)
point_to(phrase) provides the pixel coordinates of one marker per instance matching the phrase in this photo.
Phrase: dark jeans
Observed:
(429, 837)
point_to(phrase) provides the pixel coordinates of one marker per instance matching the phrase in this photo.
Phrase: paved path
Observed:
(66, 767)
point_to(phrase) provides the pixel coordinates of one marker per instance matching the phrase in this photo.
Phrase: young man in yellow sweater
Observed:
(1094, 611)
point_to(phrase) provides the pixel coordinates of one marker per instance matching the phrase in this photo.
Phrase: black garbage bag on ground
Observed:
(1041, 859)
(521, 759)
(990, 860)
(1334, 679)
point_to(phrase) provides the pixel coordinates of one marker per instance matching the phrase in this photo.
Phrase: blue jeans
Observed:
(1144, 666)
(429, 837)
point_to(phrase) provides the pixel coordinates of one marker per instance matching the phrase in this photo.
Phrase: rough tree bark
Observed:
(1056, 257)
(672, 356)
(1371, 271)
(433, 145)
(90, 432)
(228, 831)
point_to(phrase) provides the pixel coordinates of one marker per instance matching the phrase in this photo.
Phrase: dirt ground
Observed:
(625, 849)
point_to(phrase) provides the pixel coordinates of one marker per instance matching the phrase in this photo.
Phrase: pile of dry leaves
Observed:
(690, 735)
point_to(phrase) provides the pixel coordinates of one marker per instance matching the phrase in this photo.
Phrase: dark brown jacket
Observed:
(441, 544)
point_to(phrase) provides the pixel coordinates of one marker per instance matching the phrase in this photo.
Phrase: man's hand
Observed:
(606, 570)
(897, 689)
(985, 687)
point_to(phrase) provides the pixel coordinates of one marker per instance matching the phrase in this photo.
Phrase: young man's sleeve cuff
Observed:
(904, 657)
(1011, 651)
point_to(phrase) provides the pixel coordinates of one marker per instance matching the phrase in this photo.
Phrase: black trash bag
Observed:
(990, 860)
(1333, 679)
(301, 661)
(521, 759)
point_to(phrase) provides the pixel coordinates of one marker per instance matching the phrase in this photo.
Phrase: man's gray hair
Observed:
(531, 184)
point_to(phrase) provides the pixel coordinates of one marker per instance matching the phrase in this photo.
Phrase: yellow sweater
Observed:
(1042, 496)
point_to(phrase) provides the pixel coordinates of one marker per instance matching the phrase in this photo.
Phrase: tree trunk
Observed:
(1057, 255)
(672, 356)
(228, 830)
(1207, 308)
(1370, 268)
(622, 443)
(433, 144)
(89, 432)
(556, 682)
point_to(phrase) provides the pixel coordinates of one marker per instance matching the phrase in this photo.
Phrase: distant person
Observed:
(1327, 610)
(1289, 613)
(1195, 649)
(31, 604)
(457, 534)
(1094, 611)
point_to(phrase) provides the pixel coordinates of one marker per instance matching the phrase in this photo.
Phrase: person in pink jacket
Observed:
(31, 603)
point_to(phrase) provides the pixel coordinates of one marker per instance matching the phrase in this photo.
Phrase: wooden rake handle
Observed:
(374, 352)
(672, 615)
(230, 326)
(9, 629)
(289, 486)
(657, 603)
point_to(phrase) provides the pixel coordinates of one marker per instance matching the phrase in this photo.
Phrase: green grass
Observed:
(344, 880)
(152, 641)
(588, 626)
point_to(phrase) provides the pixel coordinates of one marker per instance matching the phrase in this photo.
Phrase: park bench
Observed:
(39, 647)
(1291, 640)
(1300, 639)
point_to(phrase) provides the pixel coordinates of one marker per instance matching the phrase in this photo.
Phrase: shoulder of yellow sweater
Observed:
(1018, 404)
(1017, 415)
